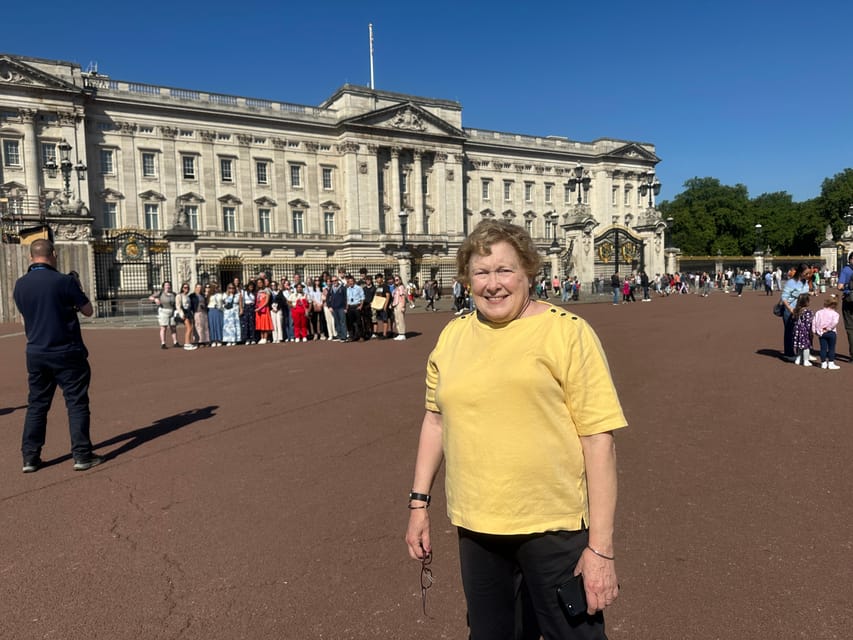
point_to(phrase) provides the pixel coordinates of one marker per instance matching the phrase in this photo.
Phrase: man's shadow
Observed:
(6, 410)
(138, 437)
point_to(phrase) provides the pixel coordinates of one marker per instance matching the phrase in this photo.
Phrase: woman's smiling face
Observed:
(499, 284)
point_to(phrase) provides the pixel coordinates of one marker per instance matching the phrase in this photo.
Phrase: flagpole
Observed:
(370, 28)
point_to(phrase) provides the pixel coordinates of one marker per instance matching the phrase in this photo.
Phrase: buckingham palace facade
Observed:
(159, 182)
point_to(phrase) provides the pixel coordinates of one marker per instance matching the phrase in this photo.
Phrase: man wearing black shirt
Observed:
(49, 302)
(383, 293)
(367, 325)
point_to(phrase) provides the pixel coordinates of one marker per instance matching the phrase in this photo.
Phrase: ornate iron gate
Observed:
(618, 250)
(129, 264)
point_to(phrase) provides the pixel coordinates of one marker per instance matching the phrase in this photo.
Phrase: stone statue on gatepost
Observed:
(829, 251)
(181, 239)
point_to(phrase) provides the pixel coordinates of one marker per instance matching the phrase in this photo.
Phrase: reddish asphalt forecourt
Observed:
(260, 492)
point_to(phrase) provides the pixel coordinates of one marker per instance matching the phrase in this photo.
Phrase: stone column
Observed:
(371, 171)
(170, 176)
(440, 170)
(208, 216)
(130, 180)
(352, 205)
(451, 221)
(418, 200)
(279, 174)
(394, 198)
(241, 187)
(30, 151)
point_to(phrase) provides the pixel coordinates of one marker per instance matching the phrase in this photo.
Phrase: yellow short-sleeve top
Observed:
(514, 401)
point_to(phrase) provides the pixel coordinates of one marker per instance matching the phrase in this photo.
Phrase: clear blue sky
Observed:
(751, 92)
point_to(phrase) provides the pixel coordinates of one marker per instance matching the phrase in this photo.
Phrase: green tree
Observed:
(836, 197)
(708, 217)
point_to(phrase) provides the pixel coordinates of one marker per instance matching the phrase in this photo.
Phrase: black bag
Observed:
(778, 309)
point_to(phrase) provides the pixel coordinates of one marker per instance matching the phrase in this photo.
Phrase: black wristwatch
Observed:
(423, 497)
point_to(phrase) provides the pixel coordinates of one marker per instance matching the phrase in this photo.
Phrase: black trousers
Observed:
(847, 316)
(510, 577)
(69, 370)
(353, 323)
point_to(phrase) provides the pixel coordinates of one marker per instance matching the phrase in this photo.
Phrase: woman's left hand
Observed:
(599, 580)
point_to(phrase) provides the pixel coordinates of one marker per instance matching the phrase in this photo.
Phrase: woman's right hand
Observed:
(417, 534)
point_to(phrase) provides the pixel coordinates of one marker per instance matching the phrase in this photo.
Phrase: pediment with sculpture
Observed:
(14, 71)
(406, 117)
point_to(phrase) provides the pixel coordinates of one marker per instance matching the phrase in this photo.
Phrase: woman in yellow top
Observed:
(521, 406)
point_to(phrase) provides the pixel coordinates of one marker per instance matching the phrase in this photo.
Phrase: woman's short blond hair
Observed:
(489, 232)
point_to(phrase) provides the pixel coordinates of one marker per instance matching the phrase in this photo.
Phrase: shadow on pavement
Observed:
(771, 353)
(7, 410)
(161, 427)
(137, 437)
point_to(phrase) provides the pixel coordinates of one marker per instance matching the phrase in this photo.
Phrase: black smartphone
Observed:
(572, 596)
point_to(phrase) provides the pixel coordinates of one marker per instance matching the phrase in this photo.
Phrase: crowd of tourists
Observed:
(801, 325)
(340, 307)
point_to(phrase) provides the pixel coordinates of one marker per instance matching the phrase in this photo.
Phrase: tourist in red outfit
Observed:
(263, 319)
(299, 310)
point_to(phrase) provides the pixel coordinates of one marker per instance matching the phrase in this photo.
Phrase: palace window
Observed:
(329, 223)
(528, 225)
(487, 189)
(507, 190)
(528, 192)
(192, 216)
(229, 219)
(297, 223)
(295, 176)
(614, 196)
(152, 216)
(327, 178)
(548, 189)
(261, 170)
(11, 153)
(16, 206)
(110, 215)
(149, 165)
(264, 220)
(107, 164)
(188, 164)
(226, 166)
(626, 199)
(567, 194)
(48, 152)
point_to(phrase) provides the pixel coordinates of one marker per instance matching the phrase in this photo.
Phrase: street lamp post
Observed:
(65, 167)
(554, 244)
(758, 229)
(650, 185)
(580, 180)
(404, 221)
